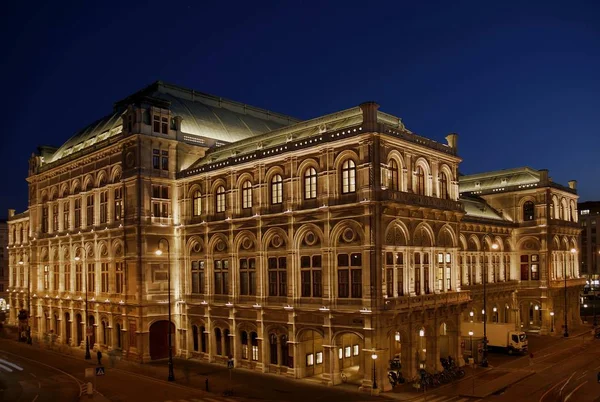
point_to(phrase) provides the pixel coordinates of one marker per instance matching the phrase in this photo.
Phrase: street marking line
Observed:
(547, 392)
(11, 364)
(563, 387)
(36, 397)
(6, 368)
(572, 392)
(33, 375)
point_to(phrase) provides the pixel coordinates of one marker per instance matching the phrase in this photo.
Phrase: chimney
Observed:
(11, 213)
(573, 184)
(452, 140)
(543, 176)
(369, 110)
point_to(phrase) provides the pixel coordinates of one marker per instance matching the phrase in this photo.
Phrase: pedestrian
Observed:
(99, 355)
(206, 383)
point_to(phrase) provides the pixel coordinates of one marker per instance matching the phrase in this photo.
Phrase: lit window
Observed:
(310, 360)
(196, 203)
(247, 195)
(420, 188)
(528, 211)
(355, 350)
(319, 357)
(310, 183)
(347, 351)
(277, 189)
(348, 177)
(220, 199)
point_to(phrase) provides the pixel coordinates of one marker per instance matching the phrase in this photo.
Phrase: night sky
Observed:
(519, 83)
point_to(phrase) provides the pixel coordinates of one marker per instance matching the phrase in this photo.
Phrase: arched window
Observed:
(119, 335)
(254, 341)
(394, 183)
(444, 186)
(247, 194)
(276, 189)
(273, 348)
(244, 341)
(220, 199)
(203, 339)
(196, 203)
(310, 183)
(348, 177)
(528, 211)
(284, 350)
(227, 343)
(218, 341)
(420, 181)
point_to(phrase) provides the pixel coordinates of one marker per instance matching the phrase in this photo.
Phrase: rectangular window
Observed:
(156, 158)
(55, 279)
(45, 219)
(78, 278)
(277, 274)
(66, 215)
(255, 353)
(119, 277)
(103, 206)
(349, 275)
(310, 360)
(55, 217)
(347, 351)
(311, 276)
(221, 273)
(77, 213)
(247, 276)
(198, 277)
(67, 274)
(319, 356)
(164, 125)
(90, 210)
(165, 160)
(118, 203)
(91, 278)
(355, 350)
(340, 353)
(156, 125)
(46, 277)
(104, 277)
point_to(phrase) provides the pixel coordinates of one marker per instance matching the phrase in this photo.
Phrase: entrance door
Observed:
(159, 339)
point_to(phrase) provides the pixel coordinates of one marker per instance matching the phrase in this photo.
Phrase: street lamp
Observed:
(159, 252)
(566, 334)
(484, 360)
(374, 357)
(552, 323)
(28, 301)
(471, 339)
(87, 316)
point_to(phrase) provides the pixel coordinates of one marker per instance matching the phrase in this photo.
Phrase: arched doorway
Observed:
(80, 326)
(159, 339)
(310, 353)
(67, 328)
(92, 330)
(349, 357)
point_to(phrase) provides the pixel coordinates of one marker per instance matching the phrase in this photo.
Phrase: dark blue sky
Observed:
(520, 83)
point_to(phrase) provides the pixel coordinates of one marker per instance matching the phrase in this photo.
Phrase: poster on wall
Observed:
(132, 330)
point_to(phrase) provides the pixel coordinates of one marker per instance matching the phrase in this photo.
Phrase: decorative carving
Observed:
(277, 241)
(310, 238)
(348, 235)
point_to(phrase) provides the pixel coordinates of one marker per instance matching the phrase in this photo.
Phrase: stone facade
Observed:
(303, 249)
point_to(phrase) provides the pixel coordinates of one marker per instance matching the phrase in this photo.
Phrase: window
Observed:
(528, 211)
(46, 277)
(104, 277)
(55, 277)
(119, 277)
(198, 277)
(160, 202)
(220, 199)
(394, 266)
(530, 267)
(77, 213)
(67, 276)
(195, 337)
(444, 186)
(45, 218)
(156, 158)
(247, 276)
(161, 124)
(103, 206)
(394, 183)
(420, 181)
(91, 277)
(55, 217)
(277, 276)
(417, 269)
(218, 341)
(89, 215)
(349, 268)
(221, 277)
(118, 203)
(66, 215)
(310, 183)
(247, 195)
(443, 272)
(78, 278)
(196, 203)
(348, 177)
(311, 276)
(254, 340)
(276, 189)
(165, 159)
(319, 356)
(273, 348)
(310, 360)
(355, 350)
(244, 341)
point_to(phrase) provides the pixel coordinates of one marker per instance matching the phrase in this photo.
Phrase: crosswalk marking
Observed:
(11, 364)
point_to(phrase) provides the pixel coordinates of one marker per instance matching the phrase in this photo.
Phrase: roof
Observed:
(477, 208)
(498, 179)
(202, 115)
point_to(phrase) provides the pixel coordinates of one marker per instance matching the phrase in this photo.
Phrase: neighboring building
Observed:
(299, 248)
(533, 221)
(589, 219)
(3, 265)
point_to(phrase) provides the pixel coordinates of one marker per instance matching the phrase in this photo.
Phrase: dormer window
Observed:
(161, 124)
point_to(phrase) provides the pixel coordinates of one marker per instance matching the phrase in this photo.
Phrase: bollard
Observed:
(90, 389)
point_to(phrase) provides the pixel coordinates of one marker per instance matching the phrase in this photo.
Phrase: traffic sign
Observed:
(99, 371)
(230, 363)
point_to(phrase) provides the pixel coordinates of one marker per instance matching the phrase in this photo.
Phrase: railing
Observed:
(492, 287)
(421, 200)
(427, 300)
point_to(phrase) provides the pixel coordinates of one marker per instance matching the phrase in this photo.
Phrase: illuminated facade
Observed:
(300, 248)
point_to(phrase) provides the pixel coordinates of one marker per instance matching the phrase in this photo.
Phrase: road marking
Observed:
(36, 397)
(33, 375)
(6, 368)
(547, 392)
(11, 364)
(572, 392)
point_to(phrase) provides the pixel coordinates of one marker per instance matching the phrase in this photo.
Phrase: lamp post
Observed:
(87, 316)
(552, 322)
(374, 357)
(484, 360)
(471, 339)
(566, 333)
(28, 300)
(158, 251)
